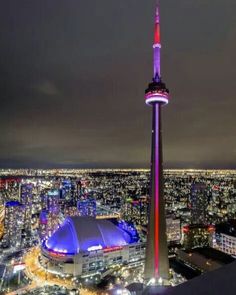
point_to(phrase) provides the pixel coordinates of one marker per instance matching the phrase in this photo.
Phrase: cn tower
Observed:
(156, 96)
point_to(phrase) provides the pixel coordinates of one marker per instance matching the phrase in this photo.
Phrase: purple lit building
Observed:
(49, 219)
(156, 96)
(87, 246)
(43, 224)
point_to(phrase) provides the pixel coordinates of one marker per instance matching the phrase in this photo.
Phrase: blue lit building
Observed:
(87, 207)
(86, 246)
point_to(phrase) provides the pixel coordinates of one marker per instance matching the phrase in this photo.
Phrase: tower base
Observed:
(155, 290)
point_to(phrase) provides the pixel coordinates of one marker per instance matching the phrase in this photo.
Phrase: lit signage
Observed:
(111, 249)
(18, 267)
(94, 248)
(57, 254)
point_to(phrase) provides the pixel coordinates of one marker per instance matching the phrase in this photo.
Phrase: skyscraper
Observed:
(53, 210)
(198, 203)
(173, 230)
(26, 200)
(136, 211)
(43, 224)
(13, 223)
(87, 207)
(156, 95)
(53, 201)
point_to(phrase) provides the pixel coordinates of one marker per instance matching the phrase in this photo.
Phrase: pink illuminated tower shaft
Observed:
(157, 95)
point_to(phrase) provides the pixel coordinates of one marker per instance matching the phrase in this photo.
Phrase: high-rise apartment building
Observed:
(198, 203)
(13, 223)
(50, 215)
(87, 207)
(225, 237)
(136, 211)
(197, 235)
(26, 191)
(173, 230)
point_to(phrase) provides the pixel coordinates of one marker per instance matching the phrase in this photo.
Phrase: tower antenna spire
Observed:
(157, 44)
(157, 11)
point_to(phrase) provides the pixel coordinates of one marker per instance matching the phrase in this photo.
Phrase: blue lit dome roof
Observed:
(13, 204)
(84, 233)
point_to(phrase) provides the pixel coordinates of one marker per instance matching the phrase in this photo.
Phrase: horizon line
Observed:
(124, 169)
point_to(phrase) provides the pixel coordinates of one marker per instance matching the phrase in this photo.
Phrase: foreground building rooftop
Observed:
(228, 228)
(217, 282)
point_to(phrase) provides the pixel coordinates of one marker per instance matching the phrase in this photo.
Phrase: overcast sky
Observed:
(73, 75)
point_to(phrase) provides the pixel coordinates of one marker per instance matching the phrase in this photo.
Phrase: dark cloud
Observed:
(73, 75)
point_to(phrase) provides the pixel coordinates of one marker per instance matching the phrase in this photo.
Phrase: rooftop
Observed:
(228, 228)
(211, 253)
(13, 204)
(217, 282)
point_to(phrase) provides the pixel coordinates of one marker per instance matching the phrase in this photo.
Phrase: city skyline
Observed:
(61, 230)
(66, 73)
(83, 209)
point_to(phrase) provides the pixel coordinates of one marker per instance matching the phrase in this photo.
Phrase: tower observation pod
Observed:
(156, 95)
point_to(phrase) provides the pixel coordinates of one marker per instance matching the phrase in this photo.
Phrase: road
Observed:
(23, 290)
(40, 277)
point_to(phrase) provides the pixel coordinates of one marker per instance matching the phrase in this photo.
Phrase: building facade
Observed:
(198, 203)
(13, 223)
(197, 235)
(87, 207)
(225, 237)
(26, 197)
(173, 230)
(50, 216)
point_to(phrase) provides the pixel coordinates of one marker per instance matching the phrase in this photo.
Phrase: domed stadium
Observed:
(85, 245)
(85, 233)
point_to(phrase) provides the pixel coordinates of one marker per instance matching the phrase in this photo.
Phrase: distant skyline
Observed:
(73, 75)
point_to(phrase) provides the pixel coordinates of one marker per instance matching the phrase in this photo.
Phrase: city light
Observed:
(115, 231)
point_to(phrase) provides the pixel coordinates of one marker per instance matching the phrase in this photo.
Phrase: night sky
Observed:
(73, 75)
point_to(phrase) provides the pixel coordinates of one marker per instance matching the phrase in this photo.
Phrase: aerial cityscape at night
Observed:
(86, 229)
(76, 214)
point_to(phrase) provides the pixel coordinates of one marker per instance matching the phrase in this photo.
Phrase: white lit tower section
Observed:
(26, 199)
(156, 96)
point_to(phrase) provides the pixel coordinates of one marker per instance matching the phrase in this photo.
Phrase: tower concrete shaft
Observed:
(157, 263)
